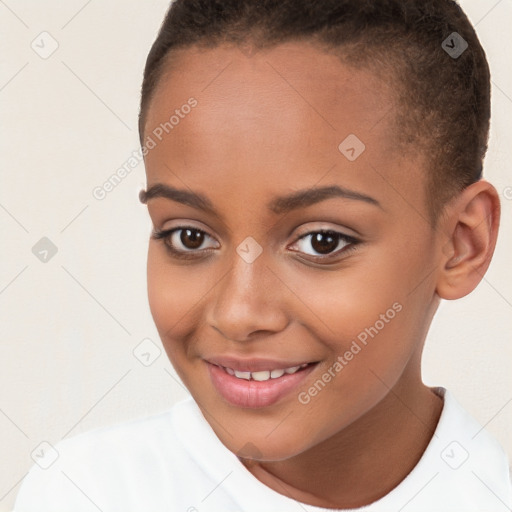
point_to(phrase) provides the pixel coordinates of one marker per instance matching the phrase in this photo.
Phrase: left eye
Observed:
(325, 242)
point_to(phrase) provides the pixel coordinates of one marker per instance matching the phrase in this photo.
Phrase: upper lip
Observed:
(254, 364)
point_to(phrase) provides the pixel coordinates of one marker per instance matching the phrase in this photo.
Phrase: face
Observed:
(291, 243)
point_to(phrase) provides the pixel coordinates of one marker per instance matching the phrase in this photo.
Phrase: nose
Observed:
(247, 300)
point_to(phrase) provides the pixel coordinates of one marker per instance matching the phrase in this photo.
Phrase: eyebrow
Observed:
(279, 205)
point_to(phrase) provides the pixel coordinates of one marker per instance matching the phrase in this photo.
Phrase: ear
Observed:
(470, 223)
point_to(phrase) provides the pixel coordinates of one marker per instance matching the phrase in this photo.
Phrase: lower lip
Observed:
(252, 393)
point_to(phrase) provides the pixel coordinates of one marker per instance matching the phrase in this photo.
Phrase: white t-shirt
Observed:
(174, 462)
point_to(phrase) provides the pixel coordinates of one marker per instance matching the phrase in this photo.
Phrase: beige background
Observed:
(70, 325)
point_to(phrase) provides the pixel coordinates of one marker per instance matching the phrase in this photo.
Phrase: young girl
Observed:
(314, 183)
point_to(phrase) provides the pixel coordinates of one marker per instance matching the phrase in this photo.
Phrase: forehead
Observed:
(272, 119)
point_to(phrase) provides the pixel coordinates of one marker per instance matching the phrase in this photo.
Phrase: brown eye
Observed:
(191, 238)
(324, 244)
(184, 241)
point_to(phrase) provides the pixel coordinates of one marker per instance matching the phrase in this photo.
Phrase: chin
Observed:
(259, 448)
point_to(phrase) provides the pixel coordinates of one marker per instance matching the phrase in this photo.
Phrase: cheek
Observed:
(367, 315)
(342, 303)
(174, 294)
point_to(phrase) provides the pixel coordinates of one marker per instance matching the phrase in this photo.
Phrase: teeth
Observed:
(265, 374)
(243, 375)
(260, 375)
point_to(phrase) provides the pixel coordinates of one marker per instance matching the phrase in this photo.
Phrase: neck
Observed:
(364, 461)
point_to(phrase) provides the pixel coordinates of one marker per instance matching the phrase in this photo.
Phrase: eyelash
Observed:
(165, 237)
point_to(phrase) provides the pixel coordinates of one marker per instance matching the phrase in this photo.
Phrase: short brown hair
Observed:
(444, 97)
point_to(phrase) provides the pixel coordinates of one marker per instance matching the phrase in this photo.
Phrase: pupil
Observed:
(191, 238)
(324, 242)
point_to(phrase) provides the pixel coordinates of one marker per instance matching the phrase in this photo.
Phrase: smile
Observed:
(256, 389)
(264, 374)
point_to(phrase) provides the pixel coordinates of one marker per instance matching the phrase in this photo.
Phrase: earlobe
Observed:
(471, 224)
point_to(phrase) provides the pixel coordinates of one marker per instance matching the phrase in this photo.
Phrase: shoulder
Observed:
(113, 443)
(463, 468)
(102, 463)
(458, 423)
(468, 459)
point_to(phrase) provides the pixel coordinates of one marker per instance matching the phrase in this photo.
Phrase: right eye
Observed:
(182, 241)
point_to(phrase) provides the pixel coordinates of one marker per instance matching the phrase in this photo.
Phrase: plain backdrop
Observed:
(70, 324)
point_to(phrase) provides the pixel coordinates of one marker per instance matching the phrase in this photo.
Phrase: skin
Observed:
(268, 124)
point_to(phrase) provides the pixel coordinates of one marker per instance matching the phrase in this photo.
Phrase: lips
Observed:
(263, 375)
(255, 364)
(246, 391)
